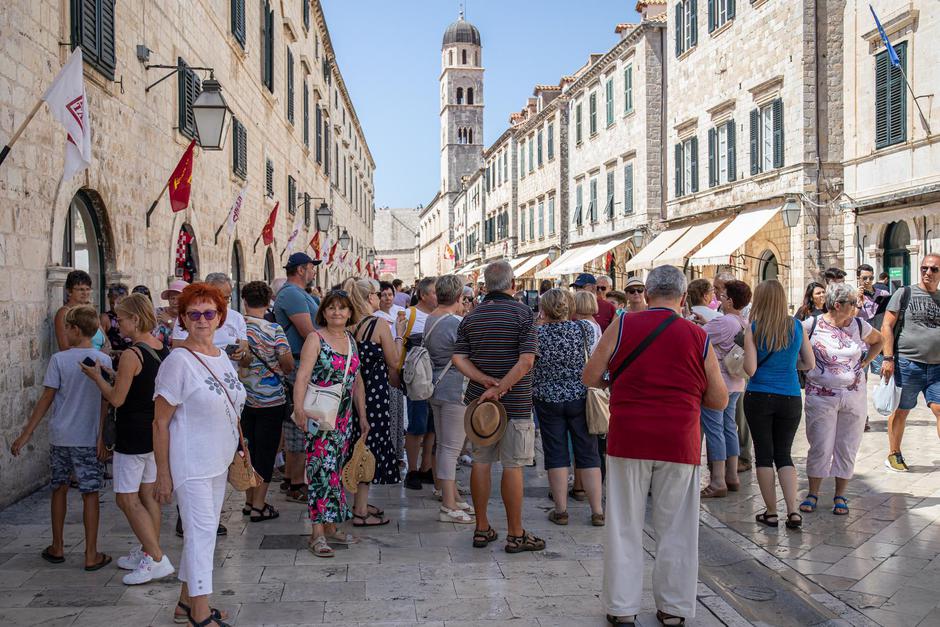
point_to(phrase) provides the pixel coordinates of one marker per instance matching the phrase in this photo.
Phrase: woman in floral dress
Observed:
(323, 363)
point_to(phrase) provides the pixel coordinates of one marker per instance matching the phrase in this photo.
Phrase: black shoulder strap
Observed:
(642, 346)
(150, 351)
(813, 328)
(899, 325)
(858, 322)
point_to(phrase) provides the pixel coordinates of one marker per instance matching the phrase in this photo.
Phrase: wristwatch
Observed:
(888, 358)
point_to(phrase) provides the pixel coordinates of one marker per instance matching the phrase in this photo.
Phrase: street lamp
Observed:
(344, 239)
(212, 115)
(791, 211)
(370, 256)
(324, 217)
(638, 237)
(553, 252)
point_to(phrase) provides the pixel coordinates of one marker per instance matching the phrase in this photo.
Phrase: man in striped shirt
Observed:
(496, 348)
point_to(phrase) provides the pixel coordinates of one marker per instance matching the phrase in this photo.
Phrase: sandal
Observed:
(669, 620)
(102, 561)
(808, 505)
(765, 519)
(246, 509)
(341, 537)
(265, 513)
(297, 495)
(375, 511)
(559, 518)
(578, 495)
(840, 508)
(734, 487)
(49, 557)
(320, 547)
(182, 619)
(482, 538)
(709, 492)
(794, 521)
(525, 542)
(621, 620)
(598, 520)
(212, 620)
(285, 485)
(365, 520)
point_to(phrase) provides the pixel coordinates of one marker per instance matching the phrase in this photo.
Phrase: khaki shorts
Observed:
(514, 450)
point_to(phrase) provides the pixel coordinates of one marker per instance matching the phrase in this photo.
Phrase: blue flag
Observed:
(892, 55)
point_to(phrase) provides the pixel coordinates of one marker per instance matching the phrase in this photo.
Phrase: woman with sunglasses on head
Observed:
(329, 357)
(109, 321)
(636, 295)
(198, 401)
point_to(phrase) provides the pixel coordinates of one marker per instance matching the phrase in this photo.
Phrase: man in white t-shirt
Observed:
(233, 331)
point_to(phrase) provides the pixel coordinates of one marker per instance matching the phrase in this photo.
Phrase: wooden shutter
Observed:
(239, 149)
(306, 4)
(189, 88)
(694, 148)
(712, 157)
(268, 43)
(628, 188)
(711, 15)
(679, 32)
(290, 86)
(890, 99)
(87, 30)
(238, 21)
(306, 115)
(291, 195)
(730, 9)
(679, 190)
(882, 82)
(106, 54)
(732, 160)
(93, 29)
(694, 20)
(755, 141)
(778, 132)
(269, 178)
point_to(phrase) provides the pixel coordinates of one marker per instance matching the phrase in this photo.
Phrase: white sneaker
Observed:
(148, 570)
(458, 516)
(130, 561)
(466, 507)
(465, 460)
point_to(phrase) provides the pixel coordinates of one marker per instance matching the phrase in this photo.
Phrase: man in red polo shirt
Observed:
(654, 445)
(606, 312)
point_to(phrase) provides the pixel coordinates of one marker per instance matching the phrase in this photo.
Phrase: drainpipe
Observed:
(817, 99)
(662, 125)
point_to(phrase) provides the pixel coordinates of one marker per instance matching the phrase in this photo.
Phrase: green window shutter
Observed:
(238, 21)
(290, 86)
(551, 142)
(882, 75)
(694, 20)
(897, 97)
(712, 157)
(693, 146)
(679, 31)
(711, 15)
(628, 188)
(106, 29)
(732, 160)
(93, 30)
(778, 132)
(306, 4)
(269, 178)
(679, 190)
(268, 44)
(730, 11)
(318, 118)
(755, 141)
(189, 89)
(610, 101)
(291, 195)
(306, 115)
(628, 89)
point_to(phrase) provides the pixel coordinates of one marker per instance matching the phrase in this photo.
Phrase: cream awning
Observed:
(529, 264)
(676, 254)
(573, 261)
(644, 259)
(468, 269)
(744, 226)
(550, 272)
(601, 249)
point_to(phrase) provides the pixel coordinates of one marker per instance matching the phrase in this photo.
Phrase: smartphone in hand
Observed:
(231, 349)
(88, 361)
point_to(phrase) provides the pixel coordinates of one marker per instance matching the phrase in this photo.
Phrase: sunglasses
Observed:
(635, 290)
(932, 269)
(601, 289)
(342, 293)
(196, 315)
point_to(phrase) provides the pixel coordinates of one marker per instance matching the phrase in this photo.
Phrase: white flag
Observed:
(295, 231)
(69, 105)
(236, 210)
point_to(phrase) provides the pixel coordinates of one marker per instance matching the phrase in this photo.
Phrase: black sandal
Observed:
(525, 542)
(794, 521)
(375, 511)
(212, 620)
(49, 557)
(246, 509)
(365, 520)
(621, 620)
(482, 538)
(185, 617)
(765, 519)
(265, 513)
(673, 621)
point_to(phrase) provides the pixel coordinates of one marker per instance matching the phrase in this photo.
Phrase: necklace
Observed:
(334, 339)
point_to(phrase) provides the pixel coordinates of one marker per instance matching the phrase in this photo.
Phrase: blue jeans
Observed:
(721, 433)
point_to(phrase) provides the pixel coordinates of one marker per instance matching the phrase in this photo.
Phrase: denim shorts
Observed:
(420, 420)
(82, 461)
(914, 377)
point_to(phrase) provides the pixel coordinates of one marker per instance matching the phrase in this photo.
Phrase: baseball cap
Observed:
(176, 286)
(300, 259)
(584, 279)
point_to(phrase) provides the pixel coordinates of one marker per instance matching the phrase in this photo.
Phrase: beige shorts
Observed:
(515, 450)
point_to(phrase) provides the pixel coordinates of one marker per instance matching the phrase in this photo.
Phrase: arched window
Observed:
(769, 269)
(237, 276)
(476, 59)
(897, 257)
(269, 267)
(83, 246)
(460, 95)
(463, 56)
(450, 57)
(187, 254)
(469, 95)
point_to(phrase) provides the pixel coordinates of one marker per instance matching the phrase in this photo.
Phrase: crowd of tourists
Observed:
(370, 383)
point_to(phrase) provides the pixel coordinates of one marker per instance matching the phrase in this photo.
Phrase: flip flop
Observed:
(103, 560)
(49, 557)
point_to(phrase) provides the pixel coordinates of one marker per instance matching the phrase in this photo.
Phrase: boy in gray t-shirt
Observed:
(75, 443)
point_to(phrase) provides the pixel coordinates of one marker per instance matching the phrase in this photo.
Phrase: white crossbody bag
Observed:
(322, 403)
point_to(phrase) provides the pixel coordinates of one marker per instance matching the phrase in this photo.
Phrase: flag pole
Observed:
(154, 205)
(923, 120)
(255, 247)
(219, 230)
(19, 131)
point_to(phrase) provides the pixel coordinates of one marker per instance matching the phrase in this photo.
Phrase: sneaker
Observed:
(427, 476)
(413, 480)
(130, 561)
(458, 516)
(148, 570)
(895, 463)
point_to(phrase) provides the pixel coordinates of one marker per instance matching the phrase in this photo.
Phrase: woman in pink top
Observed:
(718, 425)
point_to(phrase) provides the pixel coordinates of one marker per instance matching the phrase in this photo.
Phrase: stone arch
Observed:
(86, 218)
(469, 95)
(190, 219)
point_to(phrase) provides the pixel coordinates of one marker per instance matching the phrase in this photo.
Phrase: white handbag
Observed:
(322, 403)
(886, 397)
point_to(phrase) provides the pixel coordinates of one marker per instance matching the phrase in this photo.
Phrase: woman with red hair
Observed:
(198, 400)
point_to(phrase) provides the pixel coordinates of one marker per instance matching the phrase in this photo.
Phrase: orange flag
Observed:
(181, 180)
(267, 233)
(315, 245)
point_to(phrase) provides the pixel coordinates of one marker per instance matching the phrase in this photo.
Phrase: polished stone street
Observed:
(879, 565)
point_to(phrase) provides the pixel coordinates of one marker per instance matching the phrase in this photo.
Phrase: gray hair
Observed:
(424, 286)
(467, 291)
(725, 277)
(498, 276)
(448, 287)
(665, 282)
(840, 293)
(218, 278)
(605, 278)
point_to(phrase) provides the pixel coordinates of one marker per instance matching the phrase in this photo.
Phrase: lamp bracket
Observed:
(175, 68)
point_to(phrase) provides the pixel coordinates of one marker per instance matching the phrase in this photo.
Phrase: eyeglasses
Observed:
(866, 279)
(635, 290)
(117, 291)
(601, 288)
(932, 269)
(196, 315)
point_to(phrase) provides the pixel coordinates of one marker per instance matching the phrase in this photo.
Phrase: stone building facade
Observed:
(299, 144)
(892, 160)
(396, 234)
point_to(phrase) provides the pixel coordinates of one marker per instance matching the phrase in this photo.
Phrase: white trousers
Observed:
(675, 504)
(200, 503)
(834, 428)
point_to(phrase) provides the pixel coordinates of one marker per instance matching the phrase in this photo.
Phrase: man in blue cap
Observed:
(605, 311)
(295, 310)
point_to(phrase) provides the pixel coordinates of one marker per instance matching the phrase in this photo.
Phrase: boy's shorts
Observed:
(82, 461)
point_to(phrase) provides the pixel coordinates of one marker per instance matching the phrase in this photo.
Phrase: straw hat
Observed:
(360, 468)
(485, 422)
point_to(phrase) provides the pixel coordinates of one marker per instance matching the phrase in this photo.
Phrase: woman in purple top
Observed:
(721, 433)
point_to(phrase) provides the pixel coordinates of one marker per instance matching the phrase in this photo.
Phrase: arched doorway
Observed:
(897, 259)
(237, 276)
(83, 244)
(187, 254)
(769, 268)
(269, 267)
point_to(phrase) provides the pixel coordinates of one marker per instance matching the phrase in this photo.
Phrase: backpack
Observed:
(417, 373)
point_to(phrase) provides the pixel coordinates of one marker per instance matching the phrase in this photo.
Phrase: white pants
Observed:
(834, 428)
(200, 503)
(675, 504)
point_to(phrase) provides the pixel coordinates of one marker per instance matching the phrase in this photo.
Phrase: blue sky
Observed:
(389, 54)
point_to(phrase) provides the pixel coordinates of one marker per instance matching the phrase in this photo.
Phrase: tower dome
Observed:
(461, 32)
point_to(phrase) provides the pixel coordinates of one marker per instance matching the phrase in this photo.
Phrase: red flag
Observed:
(267, 233)
(369, 270)
(181, 180)
(315, 244)
(358, 265)
(332, 253)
